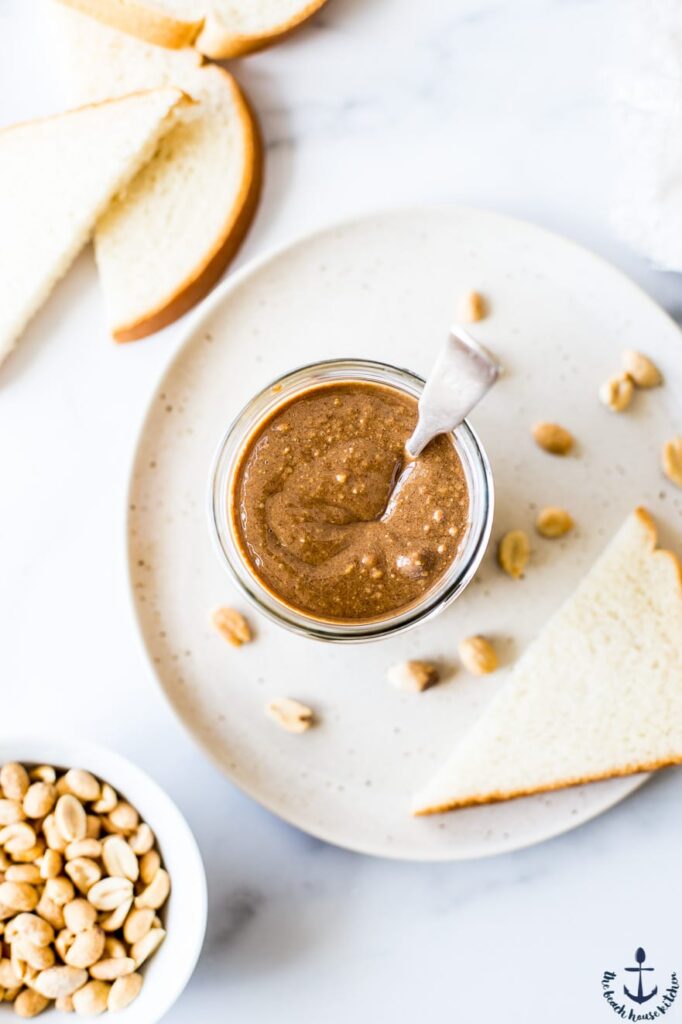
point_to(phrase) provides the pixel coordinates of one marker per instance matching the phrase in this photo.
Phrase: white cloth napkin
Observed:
(646, 84)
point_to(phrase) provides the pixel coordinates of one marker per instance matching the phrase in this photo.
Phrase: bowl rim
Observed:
(125, 776)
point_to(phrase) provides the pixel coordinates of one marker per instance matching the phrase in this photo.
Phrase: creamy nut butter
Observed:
(310, 507)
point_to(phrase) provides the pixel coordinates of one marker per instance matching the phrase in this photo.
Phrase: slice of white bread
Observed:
(57, 177)
(218, 28)
(163, 244)
(596, 695)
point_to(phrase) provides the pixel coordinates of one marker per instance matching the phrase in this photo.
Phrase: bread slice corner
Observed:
(147, 21)
(57, 176)
(597, 695)
(164, 243)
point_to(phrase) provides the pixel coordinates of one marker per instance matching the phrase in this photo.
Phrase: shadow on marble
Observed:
(251, 933)
(231, 916)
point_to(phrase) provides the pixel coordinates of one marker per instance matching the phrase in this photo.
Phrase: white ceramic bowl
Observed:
(167, 972)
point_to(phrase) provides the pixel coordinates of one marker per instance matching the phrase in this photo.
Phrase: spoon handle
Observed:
(463, 373)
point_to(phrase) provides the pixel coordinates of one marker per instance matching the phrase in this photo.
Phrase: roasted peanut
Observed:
(471, 307)
(553, 521)
(553, 438)
(232, 625)
(616, 392)
(290, 714)
(672, 462)
(413, 676)
(641, 369)
(513, 553)
(478, 655)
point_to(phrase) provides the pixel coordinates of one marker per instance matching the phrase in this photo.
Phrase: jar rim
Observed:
(260, 407)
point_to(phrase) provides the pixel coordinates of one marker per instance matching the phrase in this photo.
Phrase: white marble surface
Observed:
(379, 102)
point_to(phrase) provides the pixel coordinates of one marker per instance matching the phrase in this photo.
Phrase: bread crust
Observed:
(209, 270)
(499, 797)
(137, 19)
(216, 41)
(210, 36)
(183, 99)
(646, 520)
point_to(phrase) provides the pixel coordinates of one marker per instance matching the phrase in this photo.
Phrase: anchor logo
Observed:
(640, 957)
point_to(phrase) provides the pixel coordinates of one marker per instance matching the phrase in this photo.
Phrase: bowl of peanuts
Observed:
(102, 887)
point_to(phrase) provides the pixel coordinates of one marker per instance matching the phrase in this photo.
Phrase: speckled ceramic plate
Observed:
(385, 287)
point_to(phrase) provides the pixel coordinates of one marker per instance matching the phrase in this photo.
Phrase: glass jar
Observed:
(447, 588)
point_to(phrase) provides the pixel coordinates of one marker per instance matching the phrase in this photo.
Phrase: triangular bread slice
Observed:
(218, 28)
(164, 243)
(596, 695)
(57, 177)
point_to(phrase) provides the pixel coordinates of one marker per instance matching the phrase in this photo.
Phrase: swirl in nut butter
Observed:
(310, 495)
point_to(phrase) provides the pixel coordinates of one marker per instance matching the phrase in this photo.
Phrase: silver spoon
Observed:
(462, 375)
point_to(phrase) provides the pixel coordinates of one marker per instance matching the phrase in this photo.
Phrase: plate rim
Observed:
(194, 324)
